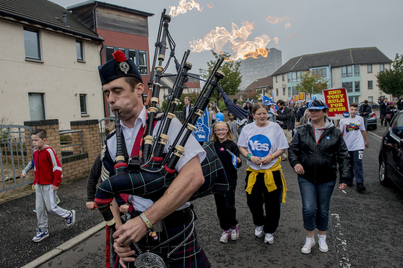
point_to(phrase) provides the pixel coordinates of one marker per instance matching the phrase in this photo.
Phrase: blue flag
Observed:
(234, 159)
(268, 101)
(203, 131)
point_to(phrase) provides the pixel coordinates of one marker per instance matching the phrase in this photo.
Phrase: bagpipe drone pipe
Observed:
(151, 173)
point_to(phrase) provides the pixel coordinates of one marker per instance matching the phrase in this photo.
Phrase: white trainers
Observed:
(269, 239)
(40, 235)
(309, 243)
(225, 236)
(322, 243)
(234, 233)
(259, 231)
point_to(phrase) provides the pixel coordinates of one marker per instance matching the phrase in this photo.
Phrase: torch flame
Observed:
(275, 39)
(183, 7)
(210, 6)
(243, 48)
(275, 20)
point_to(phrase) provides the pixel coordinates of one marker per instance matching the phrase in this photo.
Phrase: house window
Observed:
(370, 99)
(283, 76)
(79, 50)
(381, 67)
(346, 71)
(276, 91)
(356, 70)
(108, 52)
(276, 78)
(348, 86)
(289, 91)
(31, 43)
(36, 106)
(132, 55)
(369, 68)
(353, 99)
(294, 76)
(283, 90)
(142, 62)
(83, 103)
(370, 84)
(288, 77)
(357, 86)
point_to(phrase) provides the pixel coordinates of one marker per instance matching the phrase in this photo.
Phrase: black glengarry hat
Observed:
(119, 66)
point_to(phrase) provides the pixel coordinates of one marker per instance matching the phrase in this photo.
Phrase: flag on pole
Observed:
(234, 159)
(266, 100)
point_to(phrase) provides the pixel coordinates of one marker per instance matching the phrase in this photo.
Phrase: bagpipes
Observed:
(150, 173)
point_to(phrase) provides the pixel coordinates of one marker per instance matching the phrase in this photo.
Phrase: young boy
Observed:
(355, 136)
(48, 176)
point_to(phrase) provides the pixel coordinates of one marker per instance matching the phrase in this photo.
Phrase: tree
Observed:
(232, 80)
(390, 81)
(312, 83)
(250, 94)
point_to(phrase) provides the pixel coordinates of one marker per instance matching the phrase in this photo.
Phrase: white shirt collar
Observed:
(142, 118)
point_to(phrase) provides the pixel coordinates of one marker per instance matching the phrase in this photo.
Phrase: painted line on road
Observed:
(340, 243)
(375, 135)
(65, 246)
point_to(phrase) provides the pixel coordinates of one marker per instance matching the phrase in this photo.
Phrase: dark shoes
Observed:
(361, 188)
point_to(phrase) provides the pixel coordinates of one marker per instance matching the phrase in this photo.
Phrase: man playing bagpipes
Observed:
(170, 215)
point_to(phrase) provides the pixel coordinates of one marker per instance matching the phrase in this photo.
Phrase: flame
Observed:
(210, 6)
(287, 25)
(275, 39)
(275, 20)
(216, 39)
(291, 36)
(183, 7)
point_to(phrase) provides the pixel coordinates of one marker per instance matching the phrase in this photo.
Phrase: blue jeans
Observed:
(356, 166)
(315, 203)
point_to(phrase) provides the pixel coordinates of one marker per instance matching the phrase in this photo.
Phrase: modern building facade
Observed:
(253, 69)
(121, 28)
(48, 67)
(354, 69)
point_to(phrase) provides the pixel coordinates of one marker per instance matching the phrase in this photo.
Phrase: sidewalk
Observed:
(18, 225)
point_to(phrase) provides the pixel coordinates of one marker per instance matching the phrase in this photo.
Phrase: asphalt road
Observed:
(364, 229)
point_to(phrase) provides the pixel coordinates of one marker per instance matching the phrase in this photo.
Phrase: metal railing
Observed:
(70, 142)
(13, 156)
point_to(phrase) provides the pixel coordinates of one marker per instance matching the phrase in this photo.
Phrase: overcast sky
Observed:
(307, 26)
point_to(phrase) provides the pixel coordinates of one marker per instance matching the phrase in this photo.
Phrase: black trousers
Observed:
(272, 202)
(226, 210)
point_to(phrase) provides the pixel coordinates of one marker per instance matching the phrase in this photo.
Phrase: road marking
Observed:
(379, 137)
(340, 243)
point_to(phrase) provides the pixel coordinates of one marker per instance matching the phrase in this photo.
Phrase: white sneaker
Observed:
(309, 243)
(234, 233)
(269, 239)
(225, 236)
(322, 243)
(259, 231)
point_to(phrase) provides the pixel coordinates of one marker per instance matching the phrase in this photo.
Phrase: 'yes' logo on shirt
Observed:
(259, 145)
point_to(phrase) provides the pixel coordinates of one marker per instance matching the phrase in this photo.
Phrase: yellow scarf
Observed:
(268, 179)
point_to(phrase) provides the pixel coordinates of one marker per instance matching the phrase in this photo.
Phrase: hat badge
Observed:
(124, 67)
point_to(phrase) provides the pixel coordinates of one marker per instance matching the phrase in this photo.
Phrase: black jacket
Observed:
(225, 157)
(285, 117)
(365, 109)
(184, 110)
(382, 107)
(320, 160)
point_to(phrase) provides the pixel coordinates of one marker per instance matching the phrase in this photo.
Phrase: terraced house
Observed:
(354, 69)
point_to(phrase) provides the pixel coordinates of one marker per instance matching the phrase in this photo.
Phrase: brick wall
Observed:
(79, 164)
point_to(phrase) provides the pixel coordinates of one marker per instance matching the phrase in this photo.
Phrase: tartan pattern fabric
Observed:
(190, 254)
(153, 185)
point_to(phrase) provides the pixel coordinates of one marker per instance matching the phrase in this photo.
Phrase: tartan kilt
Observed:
(190, 254)
(153, 185)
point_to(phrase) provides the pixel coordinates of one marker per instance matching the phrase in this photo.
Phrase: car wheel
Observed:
(383, 178)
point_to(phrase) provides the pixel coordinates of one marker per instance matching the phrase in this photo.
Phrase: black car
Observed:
(391, 153)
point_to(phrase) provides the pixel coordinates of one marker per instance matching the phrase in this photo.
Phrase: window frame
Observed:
(39, 58)
(42, 104)
(369, 68)
(85, 104)
(372, 84)
(81, 50)
(381, 67)
(356, 67)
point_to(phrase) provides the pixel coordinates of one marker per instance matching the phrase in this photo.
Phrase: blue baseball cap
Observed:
(317, 105)
(119, 66)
